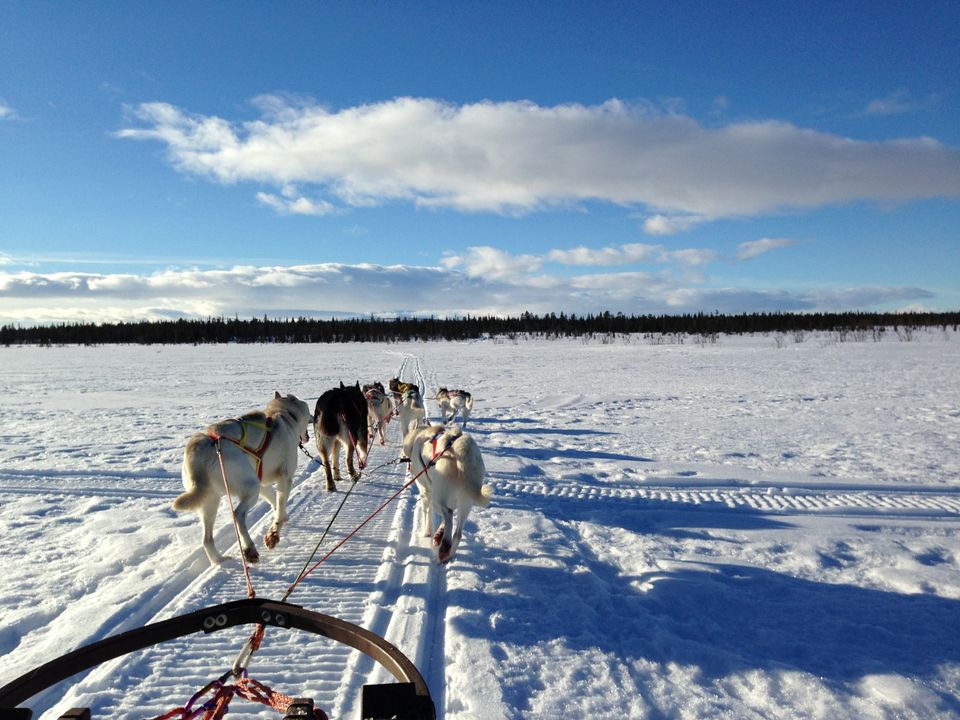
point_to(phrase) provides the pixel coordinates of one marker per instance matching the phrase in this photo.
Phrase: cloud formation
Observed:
(290, 202)
(756, 248)
(480, 282)
(6, 112)
(898, 102)
(517, 157)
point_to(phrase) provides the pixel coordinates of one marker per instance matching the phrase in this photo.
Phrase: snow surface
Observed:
(757, 528)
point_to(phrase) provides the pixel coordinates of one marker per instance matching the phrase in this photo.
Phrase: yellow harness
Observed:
(256, 453)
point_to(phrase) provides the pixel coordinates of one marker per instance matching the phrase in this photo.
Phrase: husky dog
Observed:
(259, 455)
(340, 418)
(453, 401)
(399, 388)
(410, 409)
(379, 409)
(449, 470)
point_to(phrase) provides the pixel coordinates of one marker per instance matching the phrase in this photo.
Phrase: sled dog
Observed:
(399, 388)
(411, 410)
(340, 419)
(259, 454)
(379, 410)
(453, 401)
(449, 470)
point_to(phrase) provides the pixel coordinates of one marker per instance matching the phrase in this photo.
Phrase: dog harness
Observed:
(256, 453)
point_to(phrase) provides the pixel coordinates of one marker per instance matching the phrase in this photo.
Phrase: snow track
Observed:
(383, 579)
(927, 503)
(358, 584)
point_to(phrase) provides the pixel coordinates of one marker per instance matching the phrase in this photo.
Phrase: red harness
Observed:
(256, 453)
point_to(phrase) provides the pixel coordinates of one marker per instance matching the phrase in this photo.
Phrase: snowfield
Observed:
(756, 528)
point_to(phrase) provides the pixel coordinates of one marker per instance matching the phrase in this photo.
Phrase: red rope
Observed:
(236, 525)
(357, 529)
(222, 694)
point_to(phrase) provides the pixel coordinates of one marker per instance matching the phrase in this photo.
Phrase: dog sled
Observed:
(407, 699)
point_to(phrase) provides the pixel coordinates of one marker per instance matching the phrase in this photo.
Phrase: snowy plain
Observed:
(752, 528)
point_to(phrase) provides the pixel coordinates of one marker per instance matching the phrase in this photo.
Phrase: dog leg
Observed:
(208, 514)
(463, 512)
(325, 459)
(247, 501)
(441, 541)
(425, 507)
(335, 460)
(354, 475)
(427, 515)
(279, 504)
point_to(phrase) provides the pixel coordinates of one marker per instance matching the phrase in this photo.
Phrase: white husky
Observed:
(449, 470)
(259, 453)
(380, 409)
(411, 410)
(453, 401)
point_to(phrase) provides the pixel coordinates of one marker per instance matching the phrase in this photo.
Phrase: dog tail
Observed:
(190, 500)
(471, 467)
(193, 470)
(486, 492)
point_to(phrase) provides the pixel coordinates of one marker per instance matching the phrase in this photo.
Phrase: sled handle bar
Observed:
(211, 619)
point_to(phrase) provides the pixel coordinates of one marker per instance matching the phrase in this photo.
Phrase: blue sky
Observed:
(162, 160)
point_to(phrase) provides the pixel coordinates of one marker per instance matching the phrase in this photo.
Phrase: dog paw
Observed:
(445, 553)
(272, 539)
(251, 555)
(331, 487)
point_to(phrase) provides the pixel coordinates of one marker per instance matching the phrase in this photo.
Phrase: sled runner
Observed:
(407, 699)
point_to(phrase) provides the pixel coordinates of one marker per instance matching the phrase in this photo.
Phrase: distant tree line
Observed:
(373, 329)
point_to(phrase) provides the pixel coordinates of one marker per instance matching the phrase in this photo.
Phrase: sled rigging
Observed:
(407, 699)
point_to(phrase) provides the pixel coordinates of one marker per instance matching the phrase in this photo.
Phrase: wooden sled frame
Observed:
(409, 699)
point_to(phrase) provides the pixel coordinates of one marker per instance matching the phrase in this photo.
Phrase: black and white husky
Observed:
(340, 420)
(453, 401)
(259, 454)
(449, 470)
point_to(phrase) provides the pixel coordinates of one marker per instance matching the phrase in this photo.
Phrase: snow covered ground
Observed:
(729, 530)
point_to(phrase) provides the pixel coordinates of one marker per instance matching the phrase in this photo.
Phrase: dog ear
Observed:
(341, 385)
(276, 394)
(358, 384)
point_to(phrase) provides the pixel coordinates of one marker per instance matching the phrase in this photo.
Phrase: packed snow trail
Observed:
(354, 584)
(368, 581)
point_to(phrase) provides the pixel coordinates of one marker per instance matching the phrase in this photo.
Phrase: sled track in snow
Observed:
(871, 502)
(384, 579)
(358, 584)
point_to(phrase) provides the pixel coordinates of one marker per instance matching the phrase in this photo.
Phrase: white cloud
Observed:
(296, 205)
(609, 256)
(720, 105)
(755, 248)
(514, 157)
(693, 256)
(492, 264)
(671, 224)
(481, 282)
(6, 112)
(898, 102)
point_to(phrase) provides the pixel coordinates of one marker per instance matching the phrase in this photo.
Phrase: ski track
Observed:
(385, 579)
